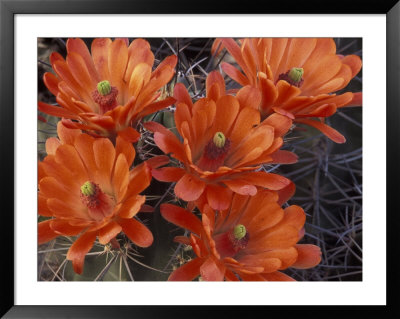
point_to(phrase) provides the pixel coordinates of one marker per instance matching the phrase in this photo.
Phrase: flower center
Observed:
(104, 87)
(294, 76)
(239, 237)
(228, 244)
(219, 139)
(88, 189)
(239, 232)
(98, 203)
(214, 153)
(105, 96)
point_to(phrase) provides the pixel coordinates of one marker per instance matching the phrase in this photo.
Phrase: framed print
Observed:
(185, 156)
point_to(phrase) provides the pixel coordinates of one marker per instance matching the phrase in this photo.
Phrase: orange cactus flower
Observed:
(108, 90)
(252, 240)
(223, 146)
(87, 189)
(296, 77)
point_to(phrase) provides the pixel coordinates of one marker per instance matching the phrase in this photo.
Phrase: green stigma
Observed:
(219, 139)
(295, 74)
(104, 87)
(88, 189)
(239, 231)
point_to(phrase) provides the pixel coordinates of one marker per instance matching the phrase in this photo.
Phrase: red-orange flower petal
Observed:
(108, 232)
(212, 270)
(45, 233)
(188, 271)
(181, 217)
(131, 206)
(327, 130)
(137, 232)
(79, 249)
(168, 174)
(218, 197)
(308, 256)
(189, 187)
(277, 276)
(63, 227)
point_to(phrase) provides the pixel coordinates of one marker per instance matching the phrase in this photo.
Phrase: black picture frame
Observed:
(9, 8)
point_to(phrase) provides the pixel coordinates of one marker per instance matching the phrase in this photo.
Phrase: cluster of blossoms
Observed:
(89, 186)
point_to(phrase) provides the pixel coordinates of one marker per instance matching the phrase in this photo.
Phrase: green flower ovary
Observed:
(104, 87)
(295, 74)
(239, 231)
(88, 189)
(219, 139)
